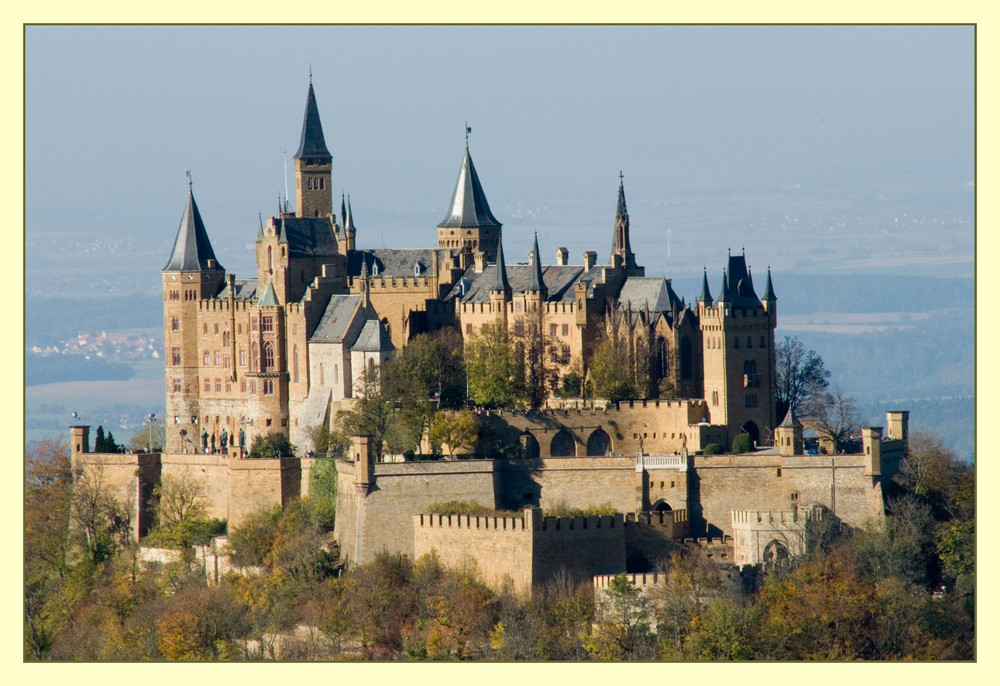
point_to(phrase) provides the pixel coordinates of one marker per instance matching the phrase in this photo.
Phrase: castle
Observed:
(283, 351)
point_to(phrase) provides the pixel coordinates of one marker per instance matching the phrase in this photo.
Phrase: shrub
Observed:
(712, 449)
(742, 444)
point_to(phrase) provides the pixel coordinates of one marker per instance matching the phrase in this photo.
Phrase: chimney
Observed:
(562, 256)
(480, 261)
(589, 260)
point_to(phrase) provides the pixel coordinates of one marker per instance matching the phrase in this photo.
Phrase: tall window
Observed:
(565, 330)
(205, 360)
(177, 385)
(218, 358)
(267, 324)
(208, 385)
(218, 385)
(175, 323)
(225, 338)
(295, 364)
(750, 367)
(253, 357)
(243, 358)
(336, 373)
(268, 357)
(268, 386)
(175, 356)
(552, 329)
(715, 397)
(565, 354)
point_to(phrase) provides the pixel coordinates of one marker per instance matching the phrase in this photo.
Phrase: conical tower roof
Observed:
(706, 295)
(790, 421)
(192, 250)
(349, 219)
(501, 283)
(468, 208)
(768, 289)
(724, 290)
(536, 283)
(312, 144)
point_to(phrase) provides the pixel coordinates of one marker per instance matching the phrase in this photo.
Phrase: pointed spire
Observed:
(706, 295)
(312, 144)
(349, 219)
(260, 228)
(269, 297)
(790, 421)
(622, 212)
(282, 233)
(768, 289)
(501, 284)
(469, 208)
(365, 295)
(536, 284)
(343, 211)
(192, 250)
(724, 291)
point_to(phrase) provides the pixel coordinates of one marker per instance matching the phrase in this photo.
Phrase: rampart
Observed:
(770, 536)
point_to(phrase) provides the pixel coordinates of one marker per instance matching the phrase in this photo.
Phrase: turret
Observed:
(313, 165)
(788, 435)
(770, 300)
(469, 223)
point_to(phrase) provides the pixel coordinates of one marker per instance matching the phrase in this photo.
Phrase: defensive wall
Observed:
(233, 487)
(530, 549)
(771, 536)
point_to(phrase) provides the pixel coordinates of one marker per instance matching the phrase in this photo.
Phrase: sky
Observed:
(703, 122)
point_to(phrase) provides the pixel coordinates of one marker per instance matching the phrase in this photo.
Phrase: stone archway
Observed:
(563, 444)
(529, 446)
(775, 551)
(661, 506)
(753, 431)
(599, 443)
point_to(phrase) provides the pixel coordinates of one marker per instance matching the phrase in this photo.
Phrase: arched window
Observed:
(225, 339)
(599, 444)
(309, 183)
(662, 359)
(268, 357)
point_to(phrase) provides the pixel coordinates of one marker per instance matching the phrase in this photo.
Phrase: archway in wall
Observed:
(599, 444)
(661, 506)
(529, 446)
(562, 444)
(751, 428)
(776, 551)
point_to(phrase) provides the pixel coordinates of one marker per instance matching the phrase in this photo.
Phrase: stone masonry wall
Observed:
(574, 481)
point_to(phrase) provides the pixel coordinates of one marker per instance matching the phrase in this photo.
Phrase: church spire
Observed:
(192, 250)
(469, 212)
(312, 144)
(622, 245)
(313, 166)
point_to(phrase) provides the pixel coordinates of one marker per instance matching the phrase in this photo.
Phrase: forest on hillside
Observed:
(903, 589)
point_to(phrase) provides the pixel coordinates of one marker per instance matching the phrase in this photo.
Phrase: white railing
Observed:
(678, 462)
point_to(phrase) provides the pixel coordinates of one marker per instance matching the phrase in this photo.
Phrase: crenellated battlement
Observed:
(603, 581)
(475, 522)
(771, 516)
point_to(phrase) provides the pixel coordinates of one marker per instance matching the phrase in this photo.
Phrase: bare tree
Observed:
(802, 379)
(833, 418)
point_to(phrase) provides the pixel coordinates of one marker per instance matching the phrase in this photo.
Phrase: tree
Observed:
(801, 377)
(623, 624)
(272, 445)
(103, 520)
(454, 429)
(611, 372)
(140, 439)
(833, 417)
(531, 347)
(181, 513)
(371, 414)
(495, 371)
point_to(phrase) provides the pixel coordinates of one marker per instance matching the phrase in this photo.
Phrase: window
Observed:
(565, 354)
(204, 328)
(225, 339)
(175, 323)
(239, 329)
(763, 342)
(749, 342)
(218, 385)
(751, 400)
(229, 385)
(267, 324)
(225, 361)
(468, 328)
(253, 387)
(243, 358)
(243, 385)
(715, 397)
(519, 327)
(268, 356)
(565, 329)
(268, 385)
(216, 329)
(736, 342)
(177, 385)
(750, 367)
(175, 356)
(208, 385)
(205, 358)
(553, 356)
(336, 373)
(253, 357)
(218, 359)
(552, 329)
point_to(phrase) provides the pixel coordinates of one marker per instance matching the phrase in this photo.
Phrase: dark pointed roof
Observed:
(349, 220)
(468, 208)
(741, 292)
(192, 250)
(790, 421)
(706, 295)
(537, 283)
(768, 289)
(724, 290)
(621, 218)
(500, 283)
(312, 144)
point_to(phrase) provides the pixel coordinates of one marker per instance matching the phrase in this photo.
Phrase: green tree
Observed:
(623, 624)
(372, 412)
(272, 445)
(611, 371)
(535, 350)
(454, 429)
(180, 506)
(742, 444)
(495, 372)
(103, 520)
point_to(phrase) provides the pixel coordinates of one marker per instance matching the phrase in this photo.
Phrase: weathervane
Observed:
(468, 130)
(188, 173)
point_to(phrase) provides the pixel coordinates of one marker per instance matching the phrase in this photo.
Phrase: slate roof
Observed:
(396, 262)
(269, 298)
(706, 295)
(536, 282)
(373, 338)
(738, 285)
(312, 144)
(192, 250)
(308, 236)
(768, 288)
(653, 292)
(790, 421)
(500, 282)
(559, 281)
(245, 289)
(336, 319)
(468, 207)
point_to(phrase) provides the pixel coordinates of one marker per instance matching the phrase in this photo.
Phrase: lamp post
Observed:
(151, 418)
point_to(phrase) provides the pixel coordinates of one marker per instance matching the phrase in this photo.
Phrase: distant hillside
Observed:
(51, 319)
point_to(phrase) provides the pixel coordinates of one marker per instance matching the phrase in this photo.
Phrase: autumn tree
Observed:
(611, 370)
(833, 416)
(372, 412)
(623, 630)
(102, 519)
(454, 429)
(271, 445)
(180, 505)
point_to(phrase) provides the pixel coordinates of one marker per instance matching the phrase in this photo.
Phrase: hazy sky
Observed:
(115, 115)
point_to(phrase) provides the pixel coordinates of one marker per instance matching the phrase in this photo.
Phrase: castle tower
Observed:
(788, 435)
(192, 274)
(738, 356)
(469, 222)
(770, 300)
(622, 246)
(313, 165)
